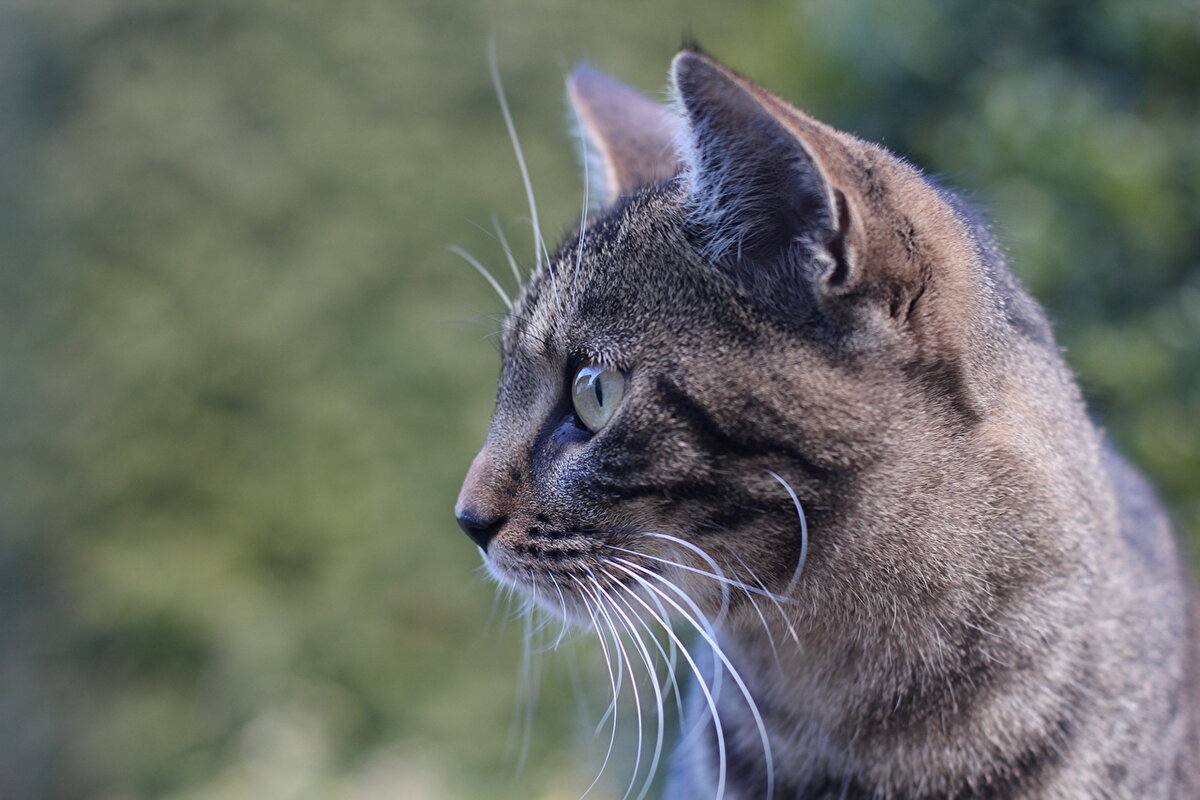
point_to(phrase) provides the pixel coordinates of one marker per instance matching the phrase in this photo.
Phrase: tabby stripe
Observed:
(719, 442)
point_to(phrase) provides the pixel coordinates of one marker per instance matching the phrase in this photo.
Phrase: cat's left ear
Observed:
(628, 140)
(770, 202)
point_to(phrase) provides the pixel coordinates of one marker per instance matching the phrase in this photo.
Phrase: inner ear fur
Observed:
(827, 226)
(764, 176)
(628, 139)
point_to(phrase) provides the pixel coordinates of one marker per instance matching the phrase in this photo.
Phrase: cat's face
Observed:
(595, 446)
(719, 363)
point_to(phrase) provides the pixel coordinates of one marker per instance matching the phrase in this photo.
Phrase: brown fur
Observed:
(992, 605)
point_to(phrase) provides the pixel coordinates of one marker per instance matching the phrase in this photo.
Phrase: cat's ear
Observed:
(764, 202)
(628, 139)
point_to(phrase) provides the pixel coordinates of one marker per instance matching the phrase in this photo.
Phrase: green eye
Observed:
(596, 392)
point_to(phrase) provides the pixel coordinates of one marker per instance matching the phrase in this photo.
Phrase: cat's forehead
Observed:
(624, 270)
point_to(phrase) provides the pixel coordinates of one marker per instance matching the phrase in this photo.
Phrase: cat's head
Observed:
(766, 327)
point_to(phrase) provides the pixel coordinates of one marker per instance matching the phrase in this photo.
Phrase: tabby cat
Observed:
(780, 387)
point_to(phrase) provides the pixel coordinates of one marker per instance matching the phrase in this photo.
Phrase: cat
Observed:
(781, 386)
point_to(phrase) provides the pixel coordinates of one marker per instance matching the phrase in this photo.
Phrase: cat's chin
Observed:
(540, 587)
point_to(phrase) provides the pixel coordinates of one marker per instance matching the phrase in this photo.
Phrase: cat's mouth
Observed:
(644, 575)
(569, 584)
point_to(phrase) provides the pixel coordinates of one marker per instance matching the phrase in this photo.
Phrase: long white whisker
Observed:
(709, 700)
(482, 270)
(563, 600)
(700, 615)
(736, 584)
(676, 646)
(612, 680)
(670, 657)
(670, 653)
(748, 590)
(660, 728)
(620, 677)
(707, 559)
(618, 674)
(691, 604)
(605, 600)
(733, 672)
(508, 253)
(541, 253)
(538, 246)
(803, 531)
(782, 614)
(762, 618)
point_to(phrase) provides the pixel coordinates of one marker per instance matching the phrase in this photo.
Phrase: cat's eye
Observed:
(596, 392)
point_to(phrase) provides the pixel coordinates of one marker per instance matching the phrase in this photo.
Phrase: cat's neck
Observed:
(894, 693)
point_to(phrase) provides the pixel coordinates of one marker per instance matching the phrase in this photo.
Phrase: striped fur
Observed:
(991, 605)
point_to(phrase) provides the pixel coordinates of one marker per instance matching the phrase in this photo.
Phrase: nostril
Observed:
(480, 527)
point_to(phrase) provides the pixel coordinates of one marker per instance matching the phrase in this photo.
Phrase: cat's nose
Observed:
(481, 527)
(483, 505)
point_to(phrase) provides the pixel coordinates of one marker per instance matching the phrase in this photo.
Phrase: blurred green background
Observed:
(241, 376)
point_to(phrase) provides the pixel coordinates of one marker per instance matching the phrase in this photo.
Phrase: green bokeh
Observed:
(241, 376)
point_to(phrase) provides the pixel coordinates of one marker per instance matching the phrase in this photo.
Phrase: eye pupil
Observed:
(599, 384)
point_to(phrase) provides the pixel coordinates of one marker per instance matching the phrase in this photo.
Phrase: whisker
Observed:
(563, 601)
(496, 233)
(612, 680)
(762, 618)
(652, 673)
(803, 531)
(733, 672)
(691, 604)
(618, 675)
(494, 68)
(670, 657)
(782, 615)
(482, 270)
(699, 614)
(676, 647)
(541, 253)
(633, 683)
(748, 590)
(670, 653)
(709, 700)
(760, 590)
(508, 253)
(707, 559)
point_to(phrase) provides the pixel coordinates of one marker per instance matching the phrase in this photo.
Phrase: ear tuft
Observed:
(689, 43)
(628, 140)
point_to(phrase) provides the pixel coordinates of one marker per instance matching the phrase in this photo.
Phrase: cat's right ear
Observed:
(628, 140)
